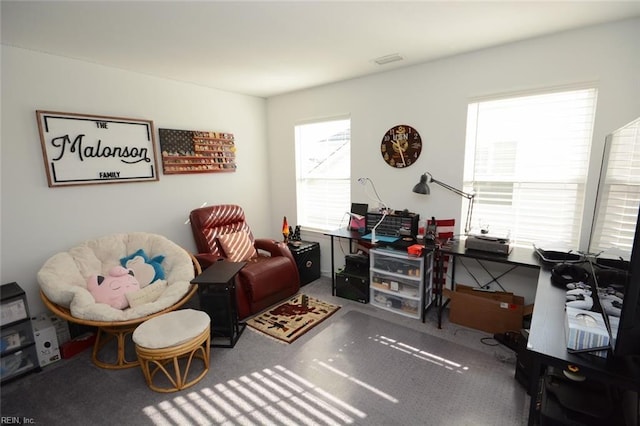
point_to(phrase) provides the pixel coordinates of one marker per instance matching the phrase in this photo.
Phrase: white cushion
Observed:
(149, 294)
(63, 276)
(171, 329)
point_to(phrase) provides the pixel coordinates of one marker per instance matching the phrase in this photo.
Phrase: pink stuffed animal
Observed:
(112, 289)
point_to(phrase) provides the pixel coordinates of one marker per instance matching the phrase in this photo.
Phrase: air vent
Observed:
(382, 60)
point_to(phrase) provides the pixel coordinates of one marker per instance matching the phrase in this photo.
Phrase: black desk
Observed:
(340, 233)
(547, 346)
(217, 292)
(519, 257)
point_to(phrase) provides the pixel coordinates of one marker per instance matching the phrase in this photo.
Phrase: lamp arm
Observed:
(373, 230)
(468, 196)
(452, 189)
(467, 225)
(363, 181)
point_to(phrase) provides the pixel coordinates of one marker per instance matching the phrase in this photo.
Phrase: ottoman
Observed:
(169, 344)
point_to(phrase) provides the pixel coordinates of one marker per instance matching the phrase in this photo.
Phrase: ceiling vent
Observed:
(383, 60)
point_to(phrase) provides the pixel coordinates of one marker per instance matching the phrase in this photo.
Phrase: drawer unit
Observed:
(17, 345)
(397, 281)
(16, 336)
(17, 363)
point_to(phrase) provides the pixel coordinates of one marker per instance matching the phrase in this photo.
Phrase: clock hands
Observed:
(400, 150)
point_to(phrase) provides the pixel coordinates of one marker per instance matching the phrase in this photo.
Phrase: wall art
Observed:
(190, 151)
(80, 149)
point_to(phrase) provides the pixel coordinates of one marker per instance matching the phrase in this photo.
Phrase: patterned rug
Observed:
(291, 319)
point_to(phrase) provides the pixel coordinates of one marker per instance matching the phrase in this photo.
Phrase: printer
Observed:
(489, 242)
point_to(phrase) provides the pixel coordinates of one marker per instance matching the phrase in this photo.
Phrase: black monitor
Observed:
(628, 335)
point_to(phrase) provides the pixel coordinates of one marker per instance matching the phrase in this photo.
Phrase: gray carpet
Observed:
(363, 366)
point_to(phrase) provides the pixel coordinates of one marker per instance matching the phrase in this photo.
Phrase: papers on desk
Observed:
(381, 238)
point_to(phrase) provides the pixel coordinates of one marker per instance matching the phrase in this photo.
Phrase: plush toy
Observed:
(145, 270)
(113, 288)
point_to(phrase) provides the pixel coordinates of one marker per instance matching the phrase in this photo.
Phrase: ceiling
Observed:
(266, 48)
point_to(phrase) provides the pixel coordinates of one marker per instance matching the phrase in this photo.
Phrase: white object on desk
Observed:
(585, 330)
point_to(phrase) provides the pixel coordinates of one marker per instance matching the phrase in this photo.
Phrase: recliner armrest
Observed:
(206, 259)
(275, 248)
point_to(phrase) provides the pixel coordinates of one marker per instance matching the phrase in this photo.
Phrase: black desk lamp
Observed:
(422, 188)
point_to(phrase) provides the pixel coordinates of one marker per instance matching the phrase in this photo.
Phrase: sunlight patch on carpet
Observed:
(273, 396)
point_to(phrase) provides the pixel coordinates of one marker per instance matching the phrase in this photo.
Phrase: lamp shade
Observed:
(422, 187)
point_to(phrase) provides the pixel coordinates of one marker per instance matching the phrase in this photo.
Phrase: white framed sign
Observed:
(81, 149)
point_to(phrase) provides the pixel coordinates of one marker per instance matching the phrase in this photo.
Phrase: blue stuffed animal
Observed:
(145, 270)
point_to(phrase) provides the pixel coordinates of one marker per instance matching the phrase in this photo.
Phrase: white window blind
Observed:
(618, 192)
(323, 173)
(526, 159)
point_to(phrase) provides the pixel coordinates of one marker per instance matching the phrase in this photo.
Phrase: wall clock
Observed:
(401, 146)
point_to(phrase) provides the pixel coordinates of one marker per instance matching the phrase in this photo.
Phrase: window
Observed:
(323, 173)
(619, 191)
(526, 159)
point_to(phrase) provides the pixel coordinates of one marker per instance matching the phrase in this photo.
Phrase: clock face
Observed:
(401, 146)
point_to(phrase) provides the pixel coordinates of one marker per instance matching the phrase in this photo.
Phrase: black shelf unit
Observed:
(17, 346)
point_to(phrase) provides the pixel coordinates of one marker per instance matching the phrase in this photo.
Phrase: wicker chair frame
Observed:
(118, 330)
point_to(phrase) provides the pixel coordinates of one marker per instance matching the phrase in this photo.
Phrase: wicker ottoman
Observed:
(171, 342)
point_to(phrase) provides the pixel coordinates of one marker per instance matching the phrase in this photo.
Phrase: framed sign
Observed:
(83, 149)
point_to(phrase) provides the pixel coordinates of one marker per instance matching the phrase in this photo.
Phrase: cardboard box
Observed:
(490, 311)
(62, 327)
(44, 333)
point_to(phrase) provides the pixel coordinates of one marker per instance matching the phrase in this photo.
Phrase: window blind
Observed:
(323, 173)
(527, 159)
(618, 192)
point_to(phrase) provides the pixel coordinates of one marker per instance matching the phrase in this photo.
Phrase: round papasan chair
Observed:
(63, 287)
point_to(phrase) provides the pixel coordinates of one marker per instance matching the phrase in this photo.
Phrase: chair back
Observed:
(209, 223)
(444, 233)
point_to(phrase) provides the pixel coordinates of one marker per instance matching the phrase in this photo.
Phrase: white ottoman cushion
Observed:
(171, 329)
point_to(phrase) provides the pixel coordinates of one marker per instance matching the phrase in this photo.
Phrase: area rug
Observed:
(291, 319)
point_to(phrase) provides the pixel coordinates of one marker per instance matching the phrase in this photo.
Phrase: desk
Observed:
(519, 257)
(547, 346)
(217, 292)
(340, 233)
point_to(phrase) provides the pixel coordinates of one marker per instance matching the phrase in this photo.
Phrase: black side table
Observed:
(307, 257)
(217, 292)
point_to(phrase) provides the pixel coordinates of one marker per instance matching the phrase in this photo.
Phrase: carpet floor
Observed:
(362, 366)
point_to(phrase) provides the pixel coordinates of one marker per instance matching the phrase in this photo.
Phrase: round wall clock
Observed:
(401, 146)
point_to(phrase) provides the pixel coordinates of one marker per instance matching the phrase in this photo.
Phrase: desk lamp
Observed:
(381, 206)
(422, 188)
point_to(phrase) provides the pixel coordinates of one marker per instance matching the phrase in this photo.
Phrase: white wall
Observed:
(433, 98)
(38, 221)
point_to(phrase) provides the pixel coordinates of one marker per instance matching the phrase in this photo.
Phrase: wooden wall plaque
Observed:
(190, 151)
(80, 149)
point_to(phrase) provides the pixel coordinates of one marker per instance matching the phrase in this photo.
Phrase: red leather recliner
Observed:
(267, 279)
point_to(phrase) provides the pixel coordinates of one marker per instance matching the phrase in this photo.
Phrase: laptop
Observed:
(358, 217)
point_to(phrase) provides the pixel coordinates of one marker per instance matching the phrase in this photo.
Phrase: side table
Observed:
(217, 292)
(307, 257)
